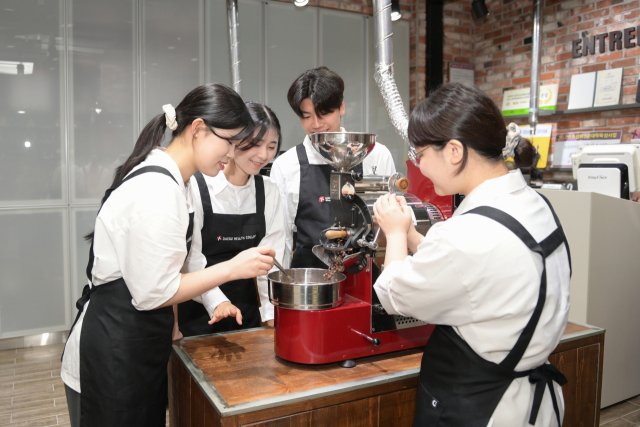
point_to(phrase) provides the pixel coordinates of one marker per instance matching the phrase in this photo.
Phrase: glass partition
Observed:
(79, 79)
(288, 29)
(34, 288)
(102, 94)
(343, 50)
(32, 120)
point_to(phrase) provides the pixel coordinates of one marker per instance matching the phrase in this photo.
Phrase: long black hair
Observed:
(464, 113)
(263, 119)
(217, 105)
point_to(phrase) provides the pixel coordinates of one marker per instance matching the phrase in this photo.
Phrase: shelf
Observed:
(596, 109)
(541, 113)
(547, 113)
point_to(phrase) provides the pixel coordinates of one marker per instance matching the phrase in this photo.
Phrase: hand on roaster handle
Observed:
(374, 341)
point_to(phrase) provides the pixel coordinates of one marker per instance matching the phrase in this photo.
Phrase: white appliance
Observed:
(610, 179)
(607, 157)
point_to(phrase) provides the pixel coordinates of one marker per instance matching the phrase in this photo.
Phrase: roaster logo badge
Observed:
(321, 200)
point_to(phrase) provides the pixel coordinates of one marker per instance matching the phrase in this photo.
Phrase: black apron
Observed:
(123, 351)
(459, 388)
(314, 210)
(223, 237)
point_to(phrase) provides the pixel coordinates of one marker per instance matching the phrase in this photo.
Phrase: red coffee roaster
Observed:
(336, 316)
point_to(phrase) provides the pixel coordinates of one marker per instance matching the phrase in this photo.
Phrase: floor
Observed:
(31, 391)
(623, 414)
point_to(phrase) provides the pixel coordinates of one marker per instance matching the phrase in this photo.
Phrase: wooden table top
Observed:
(242, 367)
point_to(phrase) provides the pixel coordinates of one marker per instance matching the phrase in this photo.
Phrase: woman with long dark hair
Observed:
(494, 278)
(115, 362)
(236, 210)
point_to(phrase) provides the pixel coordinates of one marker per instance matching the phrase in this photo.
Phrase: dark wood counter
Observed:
(236, 380)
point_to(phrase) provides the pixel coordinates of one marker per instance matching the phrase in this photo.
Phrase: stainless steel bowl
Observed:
(343, 150)
(312, 291)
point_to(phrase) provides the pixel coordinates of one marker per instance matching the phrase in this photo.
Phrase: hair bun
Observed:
(525, 153)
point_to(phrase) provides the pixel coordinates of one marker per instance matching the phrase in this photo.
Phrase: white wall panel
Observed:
(170, 53)
(102, 93)
(216, 42)
(32, 146)
(251, 48)
(291, 49)
(343, 50)
(34, 286)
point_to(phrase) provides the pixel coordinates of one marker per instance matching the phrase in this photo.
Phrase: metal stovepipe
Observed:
(535, 65)
(234, 56)
(383, 39)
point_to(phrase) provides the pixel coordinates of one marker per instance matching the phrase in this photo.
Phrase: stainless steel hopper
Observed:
(343, 150)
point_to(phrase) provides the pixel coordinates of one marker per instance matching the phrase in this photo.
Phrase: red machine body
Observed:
(346, 332)
(333, 335)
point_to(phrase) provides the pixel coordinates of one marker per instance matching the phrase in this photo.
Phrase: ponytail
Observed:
(217, 105)
(149, 139)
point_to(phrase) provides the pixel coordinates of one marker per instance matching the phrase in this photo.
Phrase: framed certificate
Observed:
(608, 87)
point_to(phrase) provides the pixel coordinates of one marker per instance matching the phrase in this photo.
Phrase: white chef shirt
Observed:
(239, 200)
(474, 274)
(285, 172)
(140, 236)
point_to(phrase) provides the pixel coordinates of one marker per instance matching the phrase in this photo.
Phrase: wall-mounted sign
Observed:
(516, 101)
(569, 143)
(617, 39)
(462, 73)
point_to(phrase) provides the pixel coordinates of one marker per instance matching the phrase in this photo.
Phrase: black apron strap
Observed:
(513, 358)
(259, 194)
(552, 242)
(545, 374)
(204, 193)
(564, 237)
(107, 194)
(302, 155)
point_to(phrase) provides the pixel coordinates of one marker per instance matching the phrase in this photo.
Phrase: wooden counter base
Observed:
(236, 380)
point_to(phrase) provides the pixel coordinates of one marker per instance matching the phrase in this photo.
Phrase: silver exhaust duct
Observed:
(383, 39)
(535, 66)
(234, 56)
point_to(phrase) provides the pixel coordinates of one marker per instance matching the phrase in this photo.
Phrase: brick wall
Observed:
(496, 46)
(413, 11)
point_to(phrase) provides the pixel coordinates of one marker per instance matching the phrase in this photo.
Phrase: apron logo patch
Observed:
(324, 199)
(236, 238)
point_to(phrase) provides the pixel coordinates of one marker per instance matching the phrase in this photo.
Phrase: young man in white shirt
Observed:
(317, 98)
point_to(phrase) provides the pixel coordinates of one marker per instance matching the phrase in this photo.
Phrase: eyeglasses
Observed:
(420, 153)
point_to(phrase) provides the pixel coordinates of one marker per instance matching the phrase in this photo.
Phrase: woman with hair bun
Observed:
(235, 210)
(115, 362)
(494, 278)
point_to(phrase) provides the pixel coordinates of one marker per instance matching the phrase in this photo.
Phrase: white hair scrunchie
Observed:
(170, 116)
(513, 139)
